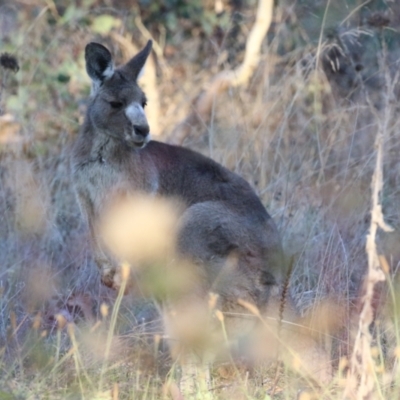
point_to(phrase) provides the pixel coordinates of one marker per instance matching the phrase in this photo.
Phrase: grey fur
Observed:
(222, 215)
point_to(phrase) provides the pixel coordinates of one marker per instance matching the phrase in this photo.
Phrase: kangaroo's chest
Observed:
(99, 182)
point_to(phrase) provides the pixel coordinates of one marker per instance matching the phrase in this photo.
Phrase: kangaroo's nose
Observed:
(142, 130)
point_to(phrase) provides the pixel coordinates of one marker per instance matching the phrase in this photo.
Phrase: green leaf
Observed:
(104, 23)
(69, 14)
(6, 396)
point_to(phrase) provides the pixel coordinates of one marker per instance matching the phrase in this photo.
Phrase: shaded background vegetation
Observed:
(302, 133)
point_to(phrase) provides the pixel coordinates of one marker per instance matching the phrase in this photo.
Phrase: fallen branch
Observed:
(202, 105)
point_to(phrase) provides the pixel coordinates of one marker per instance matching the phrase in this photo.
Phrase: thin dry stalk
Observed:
(113, 322)
(282, 305)
(361, 380)
(203, 105)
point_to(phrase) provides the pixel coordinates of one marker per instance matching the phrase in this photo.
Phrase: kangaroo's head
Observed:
(117, 107)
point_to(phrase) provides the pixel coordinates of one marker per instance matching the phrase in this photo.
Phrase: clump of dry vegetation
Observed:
(303, 132)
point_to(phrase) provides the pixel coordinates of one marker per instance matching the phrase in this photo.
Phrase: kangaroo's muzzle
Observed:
(139, 134)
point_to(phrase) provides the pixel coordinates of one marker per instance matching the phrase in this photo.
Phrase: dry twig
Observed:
(361, 379)
(201, 109)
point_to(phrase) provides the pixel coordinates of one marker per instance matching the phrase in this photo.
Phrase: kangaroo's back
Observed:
(196, 178)
(223, 216)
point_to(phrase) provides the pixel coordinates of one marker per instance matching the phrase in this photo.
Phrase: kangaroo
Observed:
(222, 219)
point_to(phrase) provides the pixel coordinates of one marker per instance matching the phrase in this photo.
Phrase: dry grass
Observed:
(307, 150)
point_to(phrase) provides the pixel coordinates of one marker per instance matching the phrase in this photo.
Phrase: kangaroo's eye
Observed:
(116, 104)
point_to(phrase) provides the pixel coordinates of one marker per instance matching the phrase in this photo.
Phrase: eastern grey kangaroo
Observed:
(223, 222)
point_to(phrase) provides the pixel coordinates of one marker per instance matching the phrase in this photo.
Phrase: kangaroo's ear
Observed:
(99, 63)
(135, 65)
